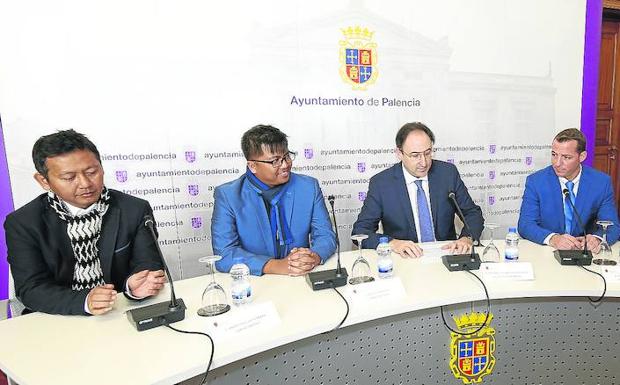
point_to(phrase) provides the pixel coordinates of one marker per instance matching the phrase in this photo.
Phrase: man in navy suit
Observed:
(546, 216)
(411, 200)
(273, 220)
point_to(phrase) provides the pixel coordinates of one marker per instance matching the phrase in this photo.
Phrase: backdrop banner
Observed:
(166, 89)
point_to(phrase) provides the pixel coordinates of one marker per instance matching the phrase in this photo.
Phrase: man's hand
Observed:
(146, 283)
(565, 242)
(299, 262)
(406, 249)
(462, 245)
(594, 243)
(100, 299)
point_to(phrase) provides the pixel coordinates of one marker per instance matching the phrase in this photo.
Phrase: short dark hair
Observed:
(255, 138)
(572, 134)
(58, 143)
(408, 128)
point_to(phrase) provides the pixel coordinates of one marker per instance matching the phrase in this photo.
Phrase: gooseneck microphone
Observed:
(337, 277)
(575, 257)
(331, 200)
(460, 262)
(163, 313)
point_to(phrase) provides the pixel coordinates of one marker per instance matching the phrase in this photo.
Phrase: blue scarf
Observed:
(280, 231)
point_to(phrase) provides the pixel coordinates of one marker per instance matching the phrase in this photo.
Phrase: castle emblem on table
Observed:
(471, 356)
(358, 57)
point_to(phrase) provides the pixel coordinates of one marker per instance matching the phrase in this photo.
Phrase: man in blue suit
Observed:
(276, 221)
(546, 216)
(411, 200)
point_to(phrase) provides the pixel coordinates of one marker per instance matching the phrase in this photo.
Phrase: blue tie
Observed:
(568, 210)
(424, 215)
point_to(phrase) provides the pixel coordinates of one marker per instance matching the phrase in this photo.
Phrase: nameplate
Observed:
(241, 320)
(377, 292)
(433, 251)
(611, 273)
(508, 271)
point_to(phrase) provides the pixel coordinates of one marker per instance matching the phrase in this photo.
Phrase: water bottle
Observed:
(385, 264)
(511, 252)
(241, 289)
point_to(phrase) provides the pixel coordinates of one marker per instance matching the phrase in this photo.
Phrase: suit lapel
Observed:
(403, 196)
(583, 193)
(58, 233)
(257, 209)
(432, 192)
(107, 241)
(555, 189)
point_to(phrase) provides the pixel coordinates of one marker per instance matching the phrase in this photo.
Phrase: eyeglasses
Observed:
(417, 156)
(289, 157)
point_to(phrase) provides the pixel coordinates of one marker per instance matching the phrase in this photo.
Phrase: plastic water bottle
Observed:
(511, 252)
(385, 264)
(241, 289)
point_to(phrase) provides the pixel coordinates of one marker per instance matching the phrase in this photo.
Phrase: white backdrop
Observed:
(166, 89)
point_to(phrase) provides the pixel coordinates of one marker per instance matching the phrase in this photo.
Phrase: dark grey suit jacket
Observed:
(42, 261)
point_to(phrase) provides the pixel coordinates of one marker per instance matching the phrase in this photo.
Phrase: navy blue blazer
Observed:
(388, 202)
(542, 208)
(240, 226)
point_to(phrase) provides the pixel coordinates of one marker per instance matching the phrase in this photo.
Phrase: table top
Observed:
(50, 349)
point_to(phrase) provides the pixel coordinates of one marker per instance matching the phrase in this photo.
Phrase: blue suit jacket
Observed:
(240, 225)
(542, 208)
(388, 201)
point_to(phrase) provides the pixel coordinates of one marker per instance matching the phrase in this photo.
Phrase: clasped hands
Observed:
(568, 242)
(142, 284)
(299, 261)
(410, 249)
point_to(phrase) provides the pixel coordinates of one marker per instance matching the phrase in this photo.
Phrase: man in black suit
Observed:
(74, 247)
(410, 199)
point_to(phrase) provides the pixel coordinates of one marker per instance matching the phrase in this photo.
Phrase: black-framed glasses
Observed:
(417, 156)
(277, 162)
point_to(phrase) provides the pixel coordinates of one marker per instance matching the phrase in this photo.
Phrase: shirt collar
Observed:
(77, 211)
(410, 178)
(575, 179)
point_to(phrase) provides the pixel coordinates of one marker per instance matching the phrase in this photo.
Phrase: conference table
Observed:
(547, 331)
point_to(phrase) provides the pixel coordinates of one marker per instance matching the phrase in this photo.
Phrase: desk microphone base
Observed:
(461, 262)
(326, 279)
(152, 316)
(573, 257)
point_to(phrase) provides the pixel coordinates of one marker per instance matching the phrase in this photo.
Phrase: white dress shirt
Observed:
(562, 187)
(412, 189)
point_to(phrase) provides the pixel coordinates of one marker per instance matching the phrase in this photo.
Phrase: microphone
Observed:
(331, 200)
(460, 262)
(574, 257)
(164, 313)
(326, 279)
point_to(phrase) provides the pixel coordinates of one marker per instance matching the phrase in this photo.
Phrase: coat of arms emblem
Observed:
(358, 57)
(471, 356)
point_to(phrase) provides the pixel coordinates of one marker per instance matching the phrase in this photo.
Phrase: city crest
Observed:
(358, 58)
(471, 356)
(121, 176)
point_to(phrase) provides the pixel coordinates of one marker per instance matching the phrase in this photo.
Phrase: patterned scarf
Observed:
(84, 232)
(280, 231)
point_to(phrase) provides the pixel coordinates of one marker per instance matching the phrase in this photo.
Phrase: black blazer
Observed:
(388, 202)
(42, 261)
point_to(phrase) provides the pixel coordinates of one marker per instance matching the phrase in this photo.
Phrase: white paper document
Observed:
(244, 319)
(508, 271)
(611, 273)
(376, 293)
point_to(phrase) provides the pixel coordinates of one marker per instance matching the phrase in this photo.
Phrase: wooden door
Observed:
(608, 116)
